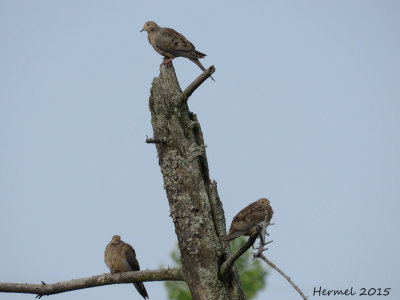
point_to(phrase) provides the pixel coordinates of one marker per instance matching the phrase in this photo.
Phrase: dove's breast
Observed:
(115, 261)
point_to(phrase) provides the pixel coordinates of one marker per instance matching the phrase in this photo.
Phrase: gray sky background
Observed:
(305, 110)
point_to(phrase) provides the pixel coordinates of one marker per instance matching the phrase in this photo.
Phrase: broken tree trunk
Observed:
(195, 207)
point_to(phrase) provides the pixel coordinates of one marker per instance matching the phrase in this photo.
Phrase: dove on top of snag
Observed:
(171, 44)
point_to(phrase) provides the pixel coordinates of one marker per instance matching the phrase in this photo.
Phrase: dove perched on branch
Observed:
(171, 44)
(121, 257)
(246, 221)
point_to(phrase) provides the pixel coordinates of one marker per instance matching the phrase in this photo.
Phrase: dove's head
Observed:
(116, 239)
(149, 26)
(264, 202)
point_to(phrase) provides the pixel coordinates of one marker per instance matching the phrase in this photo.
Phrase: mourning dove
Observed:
(246, 221)
(121, 257)
(171, 44)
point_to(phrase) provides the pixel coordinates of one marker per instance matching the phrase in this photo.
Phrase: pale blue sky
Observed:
(305, 110)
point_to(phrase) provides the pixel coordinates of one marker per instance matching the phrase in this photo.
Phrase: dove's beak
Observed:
(141, 30)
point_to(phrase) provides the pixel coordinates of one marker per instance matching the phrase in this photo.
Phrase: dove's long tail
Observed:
(233, 235)
(141, 289)
(200, 54)
(197, 62)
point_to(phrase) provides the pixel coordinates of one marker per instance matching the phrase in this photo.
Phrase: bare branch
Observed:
(284, 275)
(93, 281)
(196, 83)
(229, 262)
(155, 140)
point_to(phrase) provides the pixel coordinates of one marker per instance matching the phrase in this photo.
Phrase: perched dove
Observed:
(121, 257)
(246, 221)
(171, 44)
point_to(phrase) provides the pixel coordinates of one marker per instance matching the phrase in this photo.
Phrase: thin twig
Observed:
(89, 282)
(284, 275)
(261, 249)
(155, 140)
(196, 83)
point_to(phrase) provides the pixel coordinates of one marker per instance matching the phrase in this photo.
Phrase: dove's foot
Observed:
(166, 62)
(38, 296)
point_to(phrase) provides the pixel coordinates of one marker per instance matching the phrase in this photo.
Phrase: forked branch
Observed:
(260, 232)
(93, 281)
(230, 261)
(226, 266)
(196, 83)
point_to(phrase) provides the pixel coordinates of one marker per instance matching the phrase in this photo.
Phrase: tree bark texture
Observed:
(195, 207)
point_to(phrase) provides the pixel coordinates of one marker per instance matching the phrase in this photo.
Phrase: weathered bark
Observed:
(194, 203)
